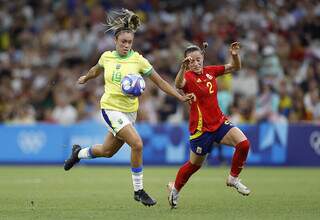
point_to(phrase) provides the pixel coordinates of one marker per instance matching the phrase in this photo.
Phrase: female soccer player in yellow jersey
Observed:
(118, 110)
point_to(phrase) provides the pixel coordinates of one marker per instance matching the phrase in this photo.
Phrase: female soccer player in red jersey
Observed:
(207, 123)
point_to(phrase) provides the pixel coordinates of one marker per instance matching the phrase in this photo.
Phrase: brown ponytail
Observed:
(122, 20)
(204, 47)
(194, 47)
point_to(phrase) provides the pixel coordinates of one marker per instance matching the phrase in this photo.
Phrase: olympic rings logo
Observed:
(31, 142)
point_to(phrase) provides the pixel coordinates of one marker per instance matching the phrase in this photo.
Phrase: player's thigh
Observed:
(130, 135)
(197, 159)
(233, 137)
(112, 143)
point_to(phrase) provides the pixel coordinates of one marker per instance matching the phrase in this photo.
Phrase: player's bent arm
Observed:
(180, 81)
(91, 74)
(235, 63)
(165, 86)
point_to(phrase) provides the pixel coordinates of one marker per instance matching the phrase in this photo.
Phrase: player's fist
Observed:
(234, 48)
(82, 80)
(185, 62)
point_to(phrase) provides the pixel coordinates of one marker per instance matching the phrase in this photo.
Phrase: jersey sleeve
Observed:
(145, 67)
(216, 70)
(101, 60)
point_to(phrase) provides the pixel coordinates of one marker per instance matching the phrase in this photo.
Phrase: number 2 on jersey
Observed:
(210, 86)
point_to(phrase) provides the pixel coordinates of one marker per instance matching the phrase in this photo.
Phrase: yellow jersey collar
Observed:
(117, 55)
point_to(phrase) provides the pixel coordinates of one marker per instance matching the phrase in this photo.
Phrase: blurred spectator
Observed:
(247, 78)
(148, 105)
(48, 117)
(64, 113)
(311, 98)
(224, 95)
(267, 104)
(23, 114)
(270, 65)
(299, 111)
(285, 102)
(168, 107)
(242, 110)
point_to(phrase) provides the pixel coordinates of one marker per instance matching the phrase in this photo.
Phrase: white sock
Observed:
(232, 179)
(85, 153)
(137, 181)
(175, 191)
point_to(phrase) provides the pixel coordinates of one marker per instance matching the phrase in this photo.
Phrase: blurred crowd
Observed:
(46, 45)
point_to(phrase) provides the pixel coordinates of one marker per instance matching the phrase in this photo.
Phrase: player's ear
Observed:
(115, 39)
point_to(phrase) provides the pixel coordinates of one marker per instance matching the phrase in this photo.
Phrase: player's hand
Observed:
(234, 48)
(185, 62)
(189, 98)
(82, 80)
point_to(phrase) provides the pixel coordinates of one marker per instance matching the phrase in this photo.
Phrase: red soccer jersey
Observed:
(205, 113)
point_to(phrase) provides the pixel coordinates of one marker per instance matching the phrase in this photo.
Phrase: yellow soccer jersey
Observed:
(115, 68)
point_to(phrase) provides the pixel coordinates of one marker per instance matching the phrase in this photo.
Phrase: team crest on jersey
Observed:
(120, 121)
(118, 66)
(199, 150)
(208, 76)
(199, 80)
(227, 122)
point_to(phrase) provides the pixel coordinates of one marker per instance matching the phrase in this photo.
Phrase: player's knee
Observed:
(137, 145)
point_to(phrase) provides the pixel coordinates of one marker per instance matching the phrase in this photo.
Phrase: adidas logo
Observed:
(199, 80)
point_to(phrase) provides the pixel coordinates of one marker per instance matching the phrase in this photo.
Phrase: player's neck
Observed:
(198, 73)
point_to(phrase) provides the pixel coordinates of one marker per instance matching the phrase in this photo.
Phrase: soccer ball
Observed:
(133, 85)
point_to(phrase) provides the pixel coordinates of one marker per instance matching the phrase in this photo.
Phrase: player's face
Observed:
(124, 43)
(196, 62)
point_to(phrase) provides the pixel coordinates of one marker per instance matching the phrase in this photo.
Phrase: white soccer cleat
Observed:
(173, 195)
(236, 183)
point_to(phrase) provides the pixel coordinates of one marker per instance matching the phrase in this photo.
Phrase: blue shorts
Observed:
(203, 144)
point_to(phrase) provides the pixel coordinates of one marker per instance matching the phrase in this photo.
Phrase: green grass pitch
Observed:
(106, 193)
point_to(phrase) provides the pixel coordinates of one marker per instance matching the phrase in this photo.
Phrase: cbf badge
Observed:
(199, 150)
(118, 66)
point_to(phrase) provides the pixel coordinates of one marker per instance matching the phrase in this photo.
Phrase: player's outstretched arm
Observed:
(92, 73)
(167, 88)
(235, 63)
(180, 81)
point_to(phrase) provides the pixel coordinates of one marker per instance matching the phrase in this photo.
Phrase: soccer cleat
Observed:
(173, 196)
(73, 159)
(144, 198)
(236, 183)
